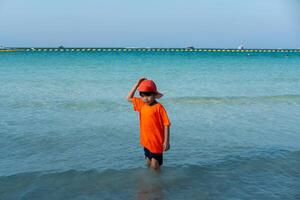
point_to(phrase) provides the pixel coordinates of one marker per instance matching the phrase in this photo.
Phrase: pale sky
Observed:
(151, 23)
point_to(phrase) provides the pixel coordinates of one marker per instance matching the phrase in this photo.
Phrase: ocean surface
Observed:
(67, 132)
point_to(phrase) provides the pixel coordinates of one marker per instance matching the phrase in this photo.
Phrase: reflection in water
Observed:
(150, 186)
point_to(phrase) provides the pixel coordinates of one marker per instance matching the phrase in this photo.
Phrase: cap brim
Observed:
(158, 95)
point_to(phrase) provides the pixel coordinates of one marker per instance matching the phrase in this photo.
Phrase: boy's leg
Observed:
(147, 161)
(147, 157)
(154, 164)
(153, 160)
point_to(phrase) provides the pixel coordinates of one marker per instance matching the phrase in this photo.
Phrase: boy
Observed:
(154, 122)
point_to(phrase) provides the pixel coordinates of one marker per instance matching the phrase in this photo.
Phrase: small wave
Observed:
(96, 105)
(239, 100)
(256, 177)
(106, 105)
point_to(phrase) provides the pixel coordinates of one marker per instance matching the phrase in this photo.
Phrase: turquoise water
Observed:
(67, 131)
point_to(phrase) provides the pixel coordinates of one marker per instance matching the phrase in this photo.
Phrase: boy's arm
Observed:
(166, 144)
(132, 91)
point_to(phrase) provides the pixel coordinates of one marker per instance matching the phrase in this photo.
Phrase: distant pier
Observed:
(212, 50)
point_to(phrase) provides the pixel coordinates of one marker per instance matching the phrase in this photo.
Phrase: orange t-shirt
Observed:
(152, 121)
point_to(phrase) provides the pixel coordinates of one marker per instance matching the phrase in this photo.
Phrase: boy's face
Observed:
(147, 98)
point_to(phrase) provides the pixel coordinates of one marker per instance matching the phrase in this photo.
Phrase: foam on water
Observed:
(285, 99)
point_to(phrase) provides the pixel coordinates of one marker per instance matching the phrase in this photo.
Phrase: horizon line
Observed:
(116, 47)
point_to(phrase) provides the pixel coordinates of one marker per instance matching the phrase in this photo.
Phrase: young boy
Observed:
(154, 122)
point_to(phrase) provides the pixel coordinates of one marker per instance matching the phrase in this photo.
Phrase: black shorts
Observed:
(156, 156)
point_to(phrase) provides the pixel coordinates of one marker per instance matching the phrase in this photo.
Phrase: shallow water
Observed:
(67, 132)
(257, 177)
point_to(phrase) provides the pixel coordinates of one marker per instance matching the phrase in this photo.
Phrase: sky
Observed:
(151, 23)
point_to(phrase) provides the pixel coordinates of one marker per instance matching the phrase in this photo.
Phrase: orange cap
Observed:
(149, 86)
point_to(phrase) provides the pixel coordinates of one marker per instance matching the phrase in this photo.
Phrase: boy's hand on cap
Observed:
(141, 80)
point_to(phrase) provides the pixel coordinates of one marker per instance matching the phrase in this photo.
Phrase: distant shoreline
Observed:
(123, 49)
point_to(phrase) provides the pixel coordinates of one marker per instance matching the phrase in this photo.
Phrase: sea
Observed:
(68, 132)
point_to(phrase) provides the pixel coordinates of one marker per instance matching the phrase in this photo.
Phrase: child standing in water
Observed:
(154, 122)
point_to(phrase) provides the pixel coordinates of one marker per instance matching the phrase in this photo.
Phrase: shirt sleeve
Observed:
(137, 103)
(164, 116)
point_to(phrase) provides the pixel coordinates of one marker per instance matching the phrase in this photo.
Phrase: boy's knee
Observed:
(154, 164)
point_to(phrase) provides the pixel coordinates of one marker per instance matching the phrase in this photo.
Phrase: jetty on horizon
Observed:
(61, 48)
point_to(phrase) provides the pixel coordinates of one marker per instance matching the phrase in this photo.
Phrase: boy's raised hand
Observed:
(134, 88)
(140, 80)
